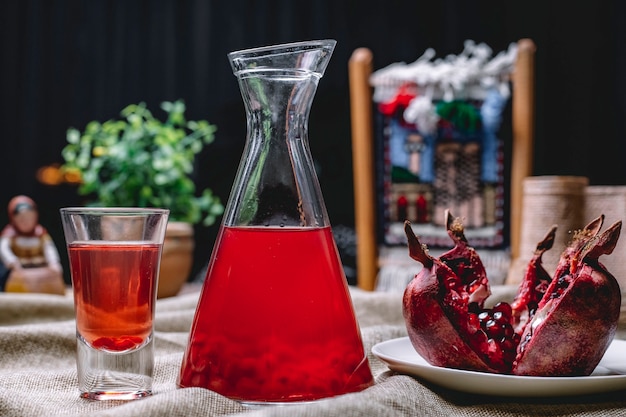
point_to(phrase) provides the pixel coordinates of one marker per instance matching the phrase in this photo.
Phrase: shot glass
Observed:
(114, 256)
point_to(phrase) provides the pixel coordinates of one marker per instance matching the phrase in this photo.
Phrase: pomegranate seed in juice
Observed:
(274, 321)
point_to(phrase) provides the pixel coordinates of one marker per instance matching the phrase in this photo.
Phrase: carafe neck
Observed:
(276, 183)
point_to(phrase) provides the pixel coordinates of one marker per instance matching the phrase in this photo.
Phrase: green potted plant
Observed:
(140, 161)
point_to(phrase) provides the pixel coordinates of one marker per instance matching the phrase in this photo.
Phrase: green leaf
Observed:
(139, 160)
(73, 136)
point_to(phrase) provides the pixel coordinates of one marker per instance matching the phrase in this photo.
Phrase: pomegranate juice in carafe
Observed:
(275, 322)
(283, 335)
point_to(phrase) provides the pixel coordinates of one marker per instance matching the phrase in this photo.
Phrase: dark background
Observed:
(64, 63)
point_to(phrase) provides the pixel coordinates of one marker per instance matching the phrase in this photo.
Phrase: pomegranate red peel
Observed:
(571, 329)
(579, 239)
(603, 244)
(417, 250)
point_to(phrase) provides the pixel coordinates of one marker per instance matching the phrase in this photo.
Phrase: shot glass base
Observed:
(114, 395)
(104, 375)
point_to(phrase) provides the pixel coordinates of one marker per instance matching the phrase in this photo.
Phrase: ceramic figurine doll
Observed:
(28, 252)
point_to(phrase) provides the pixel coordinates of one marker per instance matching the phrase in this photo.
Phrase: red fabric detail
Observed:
(401, 101)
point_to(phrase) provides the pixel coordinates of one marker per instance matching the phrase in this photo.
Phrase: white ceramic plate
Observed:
(610, 374)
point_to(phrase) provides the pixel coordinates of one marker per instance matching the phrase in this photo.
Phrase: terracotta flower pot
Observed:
(177, 258)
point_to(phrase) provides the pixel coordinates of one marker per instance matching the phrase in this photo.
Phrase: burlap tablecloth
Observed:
(38, 371)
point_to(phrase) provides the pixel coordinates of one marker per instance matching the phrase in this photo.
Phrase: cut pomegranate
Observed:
(577, 318)
(558, 326)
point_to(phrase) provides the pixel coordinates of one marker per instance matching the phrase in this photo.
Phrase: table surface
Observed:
(38, 370)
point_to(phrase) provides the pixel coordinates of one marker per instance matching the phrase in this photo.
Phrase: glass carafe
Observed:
(275, 322)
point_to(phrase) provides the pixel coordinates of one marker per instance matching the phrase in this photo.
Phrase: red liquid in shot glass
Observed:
(274, 322)
(114, 292)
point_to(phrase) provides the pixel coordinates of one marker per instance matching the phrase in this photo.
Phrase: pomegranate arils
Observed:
(496, 323)
(498, 317)
(503, 308)
(493, 329)
(473, 321)
(561, 285)
(483, 316)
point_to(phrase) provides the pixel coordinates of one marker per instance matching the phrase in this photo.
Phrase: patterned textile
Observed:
(440, 144)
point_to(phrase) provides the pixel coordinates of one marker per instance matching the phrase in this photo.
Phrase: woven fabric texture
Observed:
(38, 371)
